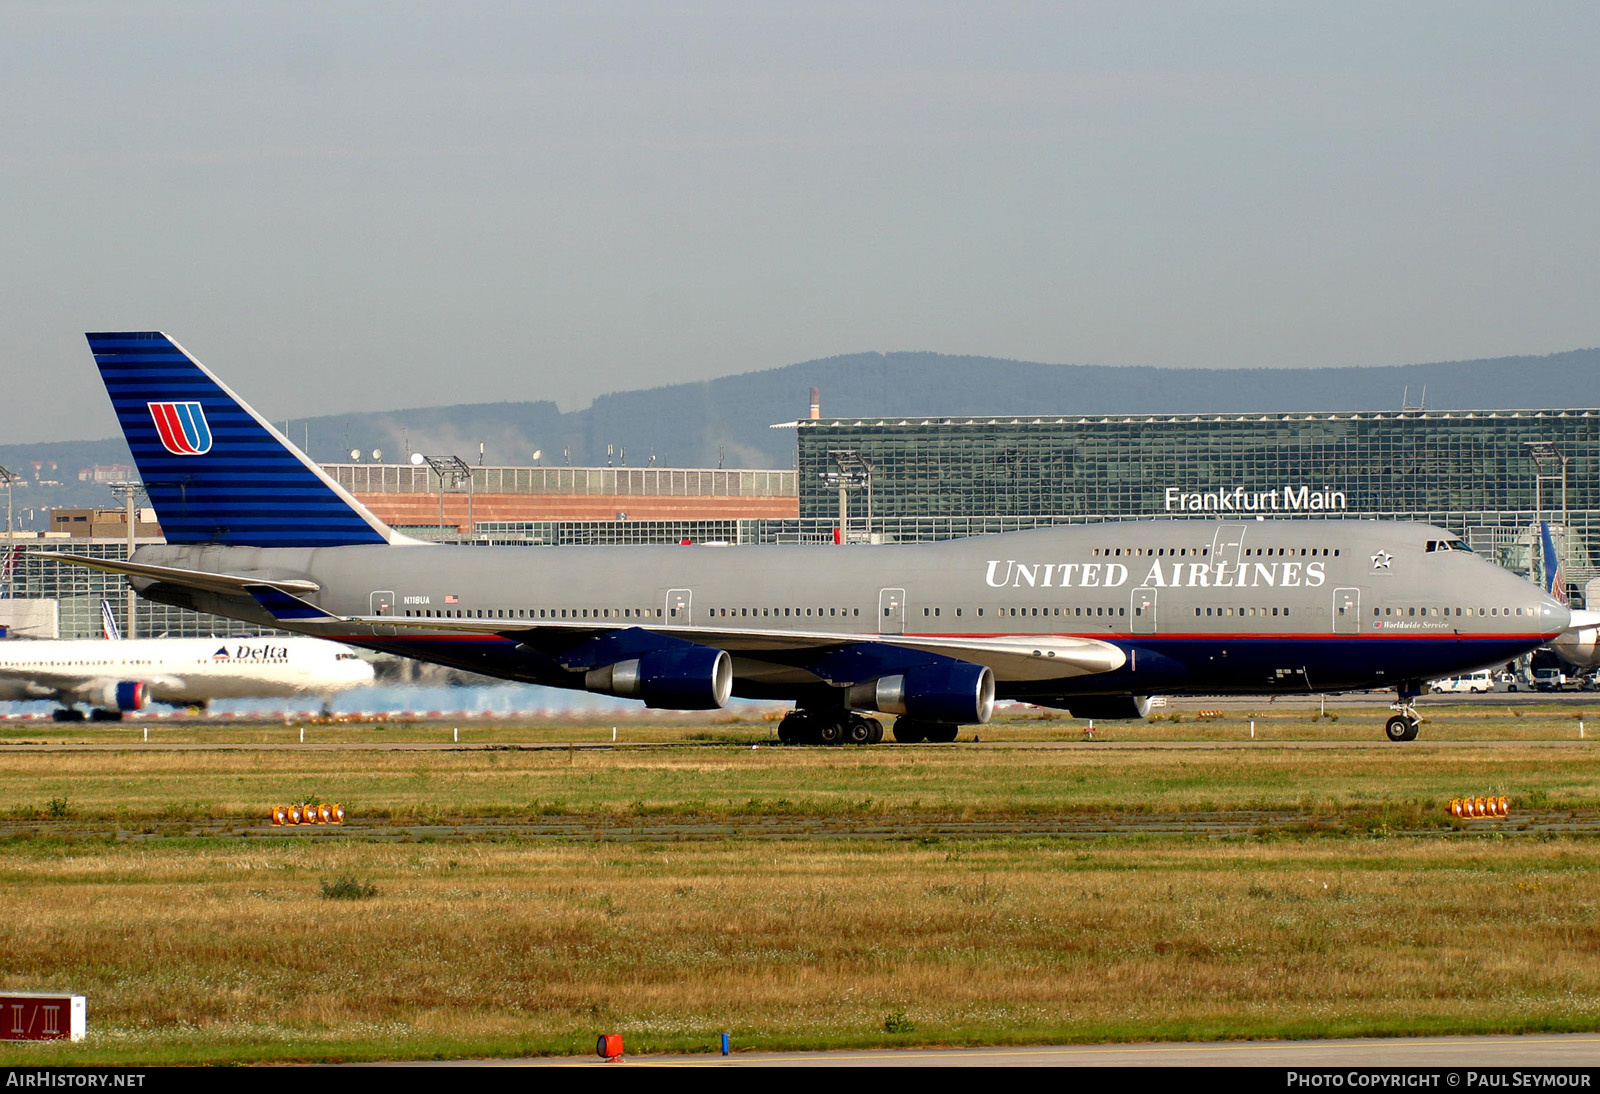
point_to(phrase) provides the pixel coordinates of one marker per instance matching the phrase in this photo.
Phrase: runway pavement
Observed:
(1449, 1055)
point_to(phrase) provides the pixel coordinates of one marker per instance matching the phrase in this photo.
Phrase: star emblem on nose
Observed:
(1381, 560)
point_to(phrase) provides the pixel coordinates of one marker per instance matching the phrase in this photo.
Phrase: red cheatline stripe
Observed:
(1320, 636)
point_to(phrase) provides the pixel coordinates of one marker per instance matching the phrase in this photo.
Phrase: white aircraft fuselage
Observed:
(127, 675)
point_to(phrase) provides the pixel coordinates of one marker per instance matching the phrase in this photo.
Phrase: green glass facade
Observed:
(1488, 475)
(1125, 466)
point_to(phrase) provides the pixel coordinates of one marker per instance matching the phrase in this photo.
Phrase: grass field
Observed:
(1361, 908)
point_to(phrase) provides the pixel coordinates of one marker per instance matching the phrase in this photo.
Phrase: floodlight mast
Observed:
(128, 493)
(854, 471)
(455, 470)
(8, 477)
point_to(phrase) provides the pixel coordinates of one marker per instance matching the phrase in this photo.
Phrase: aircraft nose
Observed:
(1554, 616)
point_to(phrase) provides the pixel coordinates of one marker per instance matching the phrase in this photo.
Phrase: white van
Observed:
(1477, 683)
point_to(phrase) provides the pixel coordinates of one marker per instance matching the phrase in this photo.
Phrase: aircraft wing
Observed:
(44, 683)
(1022, 657)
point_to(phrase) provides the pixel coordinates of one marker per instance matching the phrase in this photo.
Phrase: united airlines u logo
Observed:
(182, 427)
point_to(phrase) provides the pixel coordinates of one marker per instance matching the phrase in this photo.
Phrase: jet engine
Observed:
(957, 693)
(1580, 644)
(1110, 708)
(678, 678)
(123, 695)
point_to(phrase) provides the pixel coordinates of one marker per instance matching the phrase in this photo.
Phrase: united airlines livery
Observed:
(1093, 619)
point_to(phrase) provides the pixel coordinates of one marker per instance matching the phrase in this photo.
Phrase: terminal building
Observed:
(1489, 476)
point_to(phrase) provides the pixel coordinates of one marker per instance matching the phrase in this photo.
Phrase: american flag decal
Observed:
(182, 427)
(451, 599)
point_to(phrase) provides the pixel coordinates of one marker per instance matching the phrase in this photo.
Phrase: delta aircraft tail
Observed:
(217, 472)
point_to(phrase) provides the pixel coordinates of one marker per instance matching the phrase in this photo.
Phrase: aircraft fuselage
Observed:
(1196, 606)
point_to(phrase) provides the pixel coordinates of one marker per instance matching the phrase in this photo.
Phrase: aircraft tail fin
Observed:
(108, 622)
(217, 472)
(1555, 582)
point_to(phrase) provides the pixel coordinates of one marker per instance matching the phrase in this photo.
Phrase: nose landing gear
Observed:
(1406, 721)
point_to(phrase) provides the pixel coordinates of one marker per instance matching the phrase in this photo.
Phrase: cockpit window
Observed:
(1448, 545)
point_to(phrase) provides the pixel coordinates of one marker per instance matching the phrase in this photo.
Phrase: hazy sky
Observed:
(365, 206)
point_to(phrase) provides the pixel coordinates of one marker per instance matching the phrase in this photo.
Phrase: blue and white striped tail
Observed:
(215, 470)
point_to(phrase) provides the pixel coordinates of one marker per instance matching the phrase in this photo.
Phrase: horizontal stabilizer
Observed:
(226, 584)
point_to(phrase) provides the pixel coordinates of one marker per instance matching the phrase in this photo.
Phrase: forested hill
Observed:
(692, 425)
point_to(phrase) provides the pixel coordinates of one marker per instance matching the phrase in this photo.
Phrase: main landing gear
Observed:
(912, 731)
(1406, 721)
(829, 727)
(845, 727)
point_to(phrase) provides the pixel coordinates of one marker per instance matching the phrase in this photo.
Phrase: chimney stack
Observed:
(816, 403)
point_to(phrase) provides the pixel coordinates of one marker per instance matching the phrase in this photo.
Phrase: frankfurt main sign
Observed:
(1285, 499)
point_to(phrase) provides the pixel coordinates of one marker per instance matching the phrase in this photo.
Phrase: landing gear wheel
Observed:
(909, 731)
(1401, 728)
(70, 714)
(105, 715)
(942, 733)
(831, 732)
(859, 730)
(798, 728)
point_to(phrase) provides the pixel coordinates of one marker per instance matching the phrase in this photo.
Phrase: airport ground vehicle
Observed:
(1551, 679)
(1475, 683)
(1094, 619)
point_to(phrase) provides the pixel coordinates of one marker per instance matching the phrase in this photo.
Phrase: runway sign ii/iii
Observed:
(42, 1016)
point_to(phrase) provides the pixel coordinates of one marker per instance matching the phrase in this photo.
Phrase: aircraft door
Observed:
(680, 604)
(1347, 611)
(891, 611)
(1143, 610)
(1228, 546)
(382, 603)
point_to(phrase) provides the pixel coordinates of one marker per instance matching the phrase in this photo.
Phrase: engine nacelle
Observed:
(1110, 708)
(957, 694)
(123, 695)
(679, 678)
(1579, 646)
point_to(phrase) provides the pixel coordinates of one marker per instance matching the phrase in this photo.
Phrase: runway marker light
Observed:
(1492, 806)
(307, 813)
(609, 1047)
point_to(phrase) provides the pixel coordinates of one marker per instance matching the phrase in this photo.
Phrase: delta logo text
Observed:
(272, 654)
(182, 427)
(1285, 499)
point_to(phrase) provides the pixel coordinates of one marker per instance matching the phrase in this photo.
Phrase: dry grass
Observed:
(223, 948)
(138, 788)
(205, 949)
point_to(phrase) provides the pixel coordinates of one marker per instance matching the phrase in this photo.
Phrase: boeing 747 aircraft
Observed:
(113, 677)
(1093, 619)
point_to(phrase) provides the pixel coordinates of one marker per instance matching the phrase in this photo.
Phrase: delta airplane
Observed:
(114, 677)
(1094, 619)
